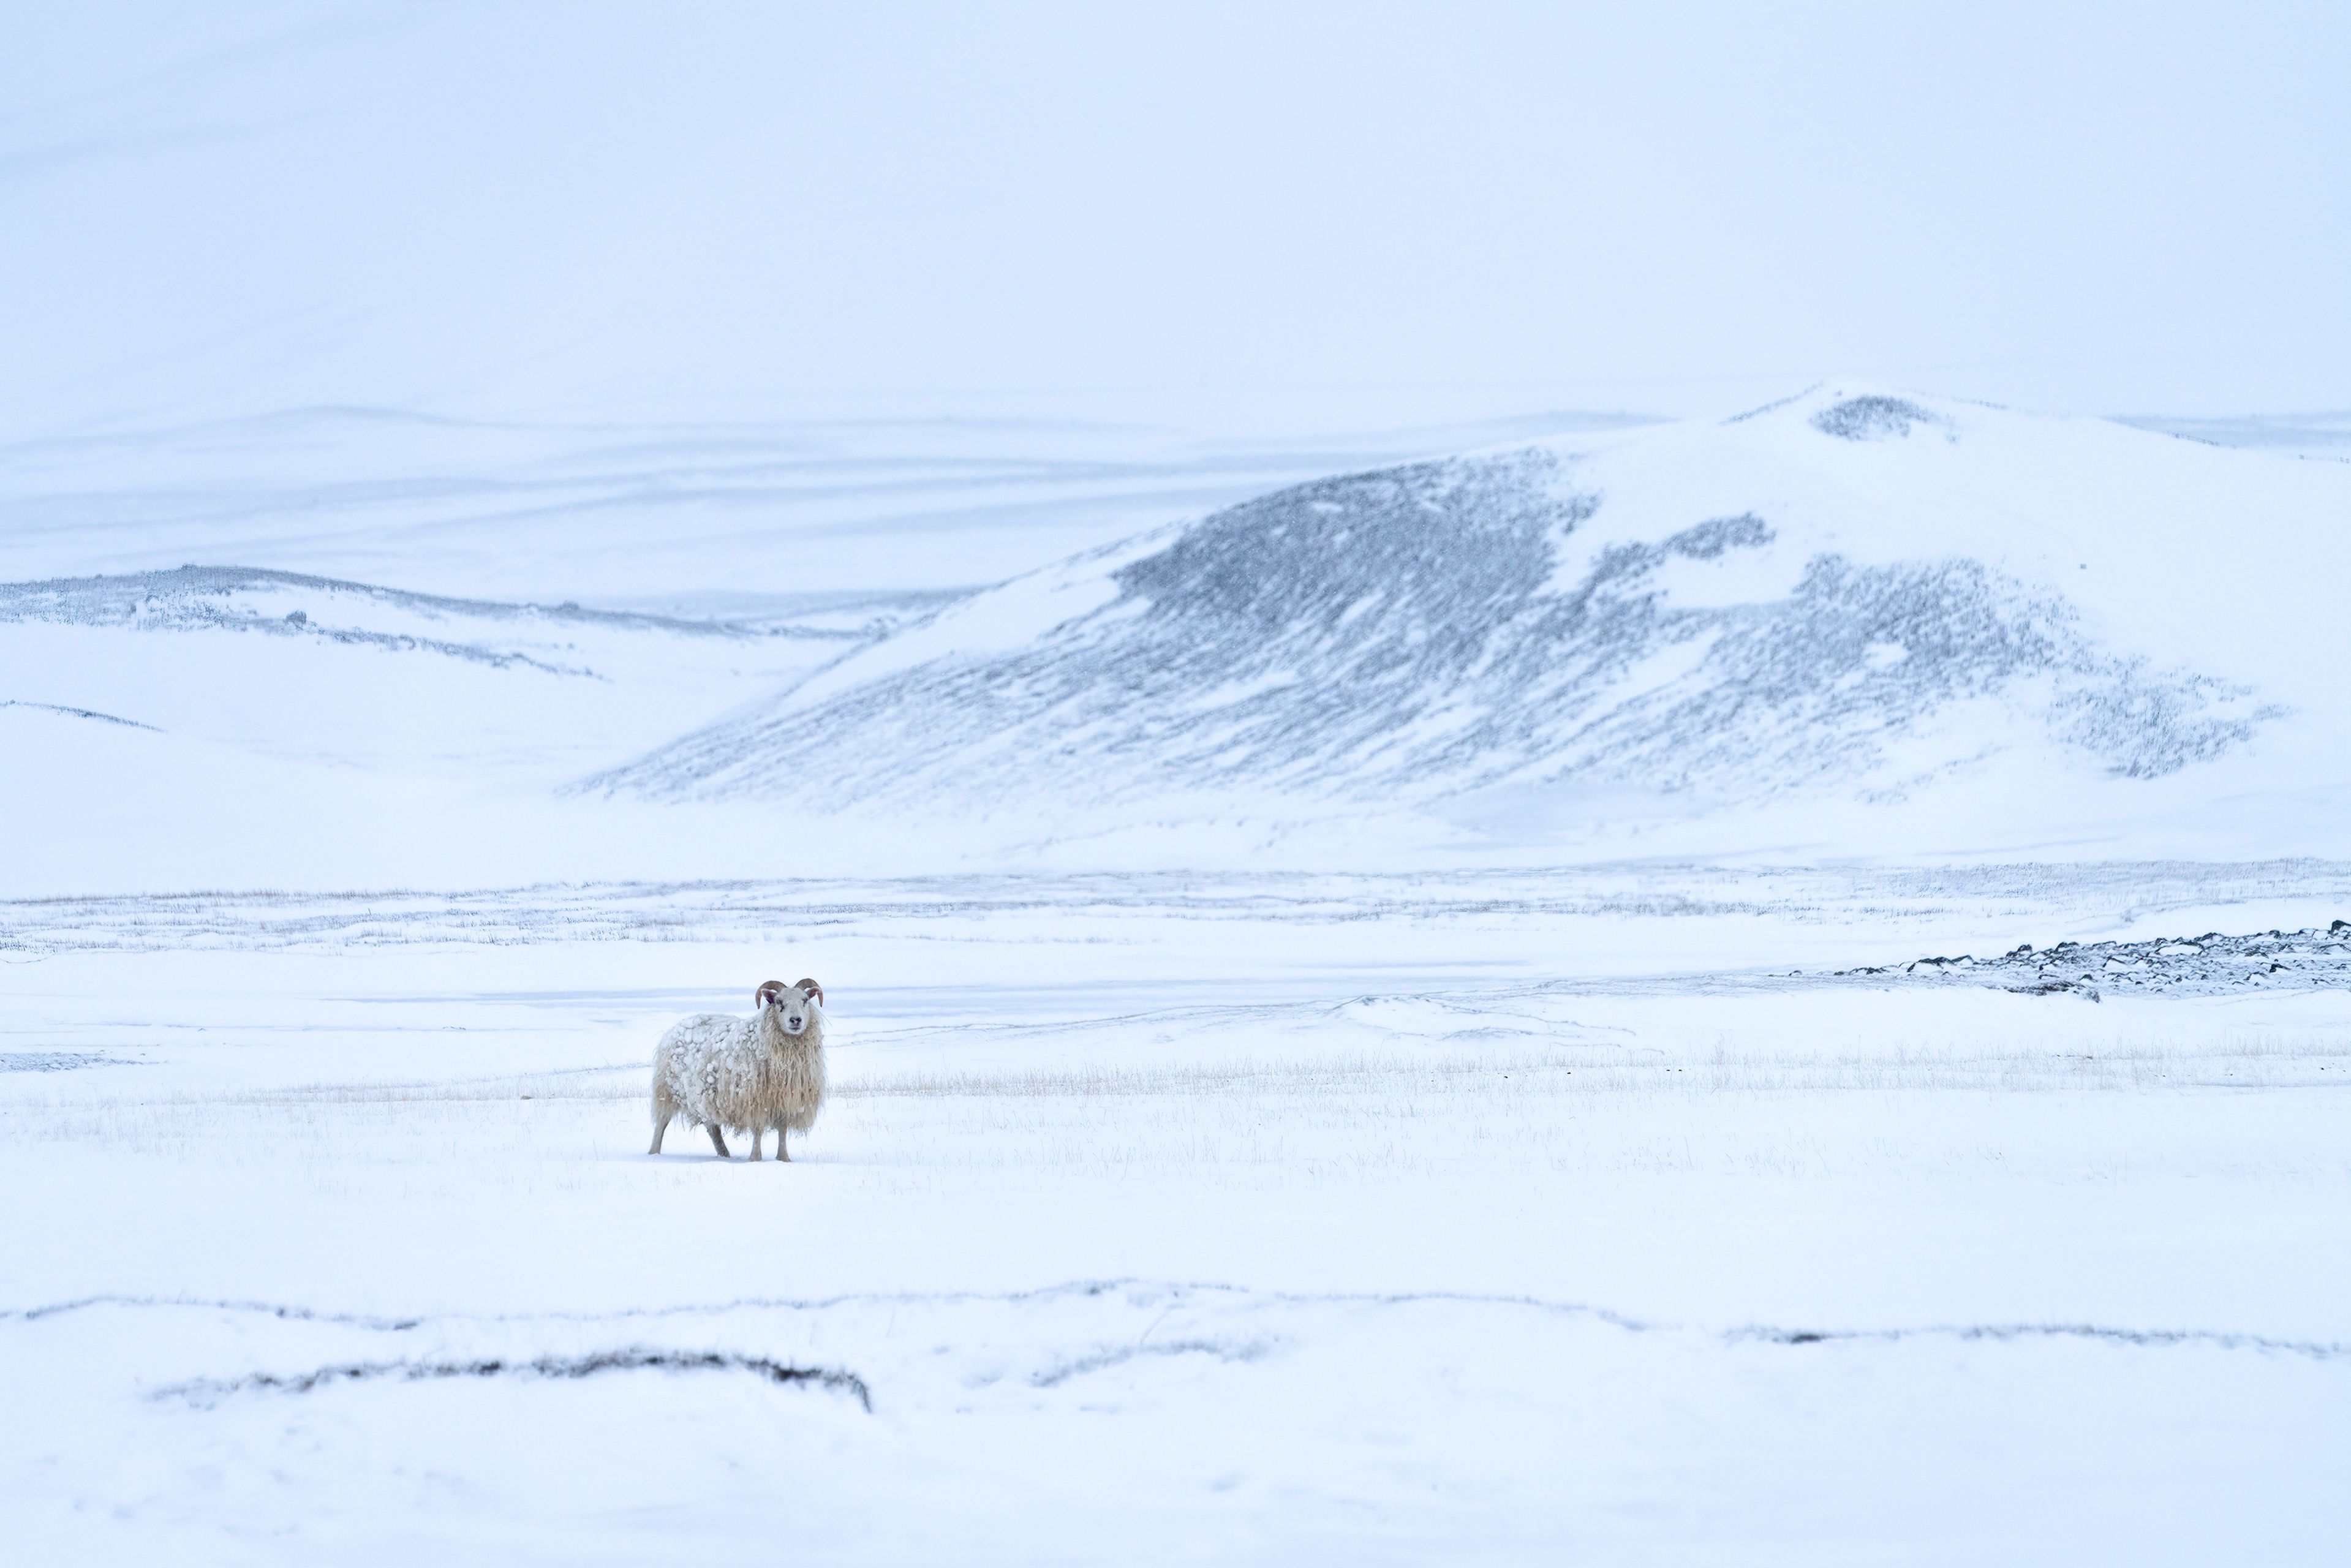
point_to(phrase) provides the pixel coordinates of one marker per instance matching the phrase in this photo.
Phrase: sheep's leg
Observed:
(718, 1142)
(757, 1135)
(661, 1115)
(783, 1144)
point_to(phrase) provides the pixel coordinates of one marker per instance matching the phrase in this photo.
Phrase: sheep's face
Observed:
(794, 1005)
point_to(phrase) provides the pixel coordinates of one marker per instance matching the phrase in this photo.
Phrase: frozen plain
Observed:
(1284, 1200)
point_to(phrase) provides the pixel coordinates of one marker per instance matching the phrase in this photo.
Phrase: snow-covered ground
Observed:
(1440, 1078)
(1187, 1221)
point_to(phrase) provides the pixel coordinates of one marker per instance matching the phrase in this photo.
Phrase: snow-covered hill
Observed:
(1856, 622)
(1851, 597)
(204, 725)
(315, 670)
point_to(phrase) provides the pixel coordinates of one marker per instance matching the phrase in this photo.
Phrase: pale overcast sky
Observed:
(1270, 211)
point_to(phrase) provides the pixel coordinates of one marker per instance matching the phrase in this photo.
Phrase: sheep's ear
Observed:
(813, 989)
(773, 991)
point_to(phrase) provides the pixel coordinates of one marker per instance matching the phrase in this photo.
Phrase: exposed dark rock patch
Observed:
(2211, 964)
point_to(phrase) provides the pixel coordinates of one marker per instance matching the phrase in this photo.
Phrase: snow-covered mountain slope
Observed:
(1851, 597)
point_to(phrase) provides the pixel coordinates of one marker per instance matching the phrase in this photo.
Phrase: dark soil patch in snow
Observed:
(205, 1392)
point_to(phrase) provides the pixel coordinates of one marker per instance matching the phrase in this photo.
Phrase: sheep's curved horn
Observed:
(813, 989)
(773, 991)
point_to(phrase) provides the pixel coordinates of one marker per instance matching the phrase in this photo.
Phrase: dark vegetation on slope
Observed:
(1875, 418)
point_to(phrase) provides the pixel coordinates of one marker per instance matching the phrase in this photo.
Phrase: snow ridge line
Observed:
(386, 1323)
(79, 713)
(205, 1392)
(198, 593)
(270, 1309)
(2219, 1339)
(1101, 1361)
(2222, 1339)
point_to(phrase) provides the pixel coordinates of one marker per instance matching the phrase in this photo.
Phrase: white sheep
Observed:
(750, 1074)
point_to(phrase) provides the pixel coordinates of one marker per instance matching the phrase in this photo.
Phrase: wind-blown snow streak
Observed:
(1420, 631)
(2018, 898)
